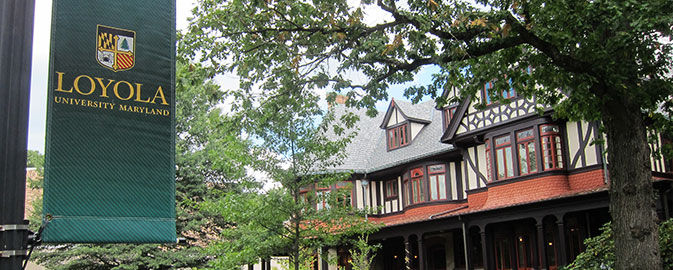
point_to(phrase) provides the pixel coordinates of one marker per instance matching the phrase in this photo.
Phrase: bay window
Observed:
(551, 147)
(437, 180)
(416, 193)
(526, 146)
(391, 189)
(503, 157)
(536, 148)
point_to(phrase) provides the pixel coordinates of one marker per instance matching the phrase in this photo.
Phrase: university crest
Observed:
(115, 48)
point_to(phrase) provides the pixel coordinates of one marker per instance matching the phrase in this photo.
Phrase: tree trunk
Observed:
(632, 202)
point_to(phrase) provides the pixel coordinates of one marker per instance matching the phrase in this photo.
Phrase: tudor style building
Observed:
(506, 187)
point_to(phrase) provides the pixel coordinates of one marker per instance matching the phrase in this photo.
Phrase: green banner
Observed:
(110, 146)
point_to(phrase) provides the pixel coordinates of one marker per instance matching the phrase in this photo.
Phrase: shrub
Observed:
(600, 250)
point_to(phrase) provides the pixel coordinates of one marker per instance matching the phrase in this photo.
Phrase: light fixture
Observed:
(415, 256)
(520, 239)
(395, 256)
(365, 182)
(550, 243)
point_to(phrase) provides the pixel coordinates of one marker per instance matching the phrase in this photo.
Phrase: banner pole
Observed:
(16, 43)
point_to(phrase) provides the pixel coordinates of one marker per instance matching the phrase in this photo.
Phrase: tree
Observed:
(593, 60)
(208, 158)
(295, 144)
(363, 253)
(600, 251)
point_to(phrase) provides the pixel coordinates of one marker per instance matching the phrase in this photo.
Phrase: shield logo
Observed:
(115, 48)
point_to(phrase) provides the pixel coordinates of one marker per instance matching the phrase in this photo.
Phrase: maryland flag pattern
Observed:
(115, 48)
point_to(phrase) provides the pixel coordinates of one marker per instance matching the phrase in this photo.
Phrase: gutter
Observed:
(449, 211)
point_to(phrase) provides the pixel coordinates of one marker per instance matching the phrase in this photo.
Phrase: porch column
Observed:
(421, 261)
(541, 245)
(562, 242)
(407, 253)
(484, 250)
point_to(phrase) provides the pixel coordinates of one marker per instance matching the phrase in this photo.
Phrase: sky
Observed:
(40, 69)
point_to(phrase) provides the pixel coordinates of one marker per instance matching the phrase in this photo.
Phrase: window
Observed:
(503, 257)
(323, 197)
(391, 189)
(524, 251)
(416, 185)
(526, 146)
(503, 157)
(398, 136)
(488, 88)
(437, 180)
(448, 115)
(550, 140)
(345, 193)
(489, 169)
(533, 152)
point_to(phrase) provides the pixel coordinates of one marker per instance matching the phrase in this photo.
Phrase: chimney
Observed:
(339, 99)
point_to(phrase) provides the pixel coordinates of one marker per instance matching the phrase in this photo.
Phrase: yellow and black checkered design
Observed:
(106, 41)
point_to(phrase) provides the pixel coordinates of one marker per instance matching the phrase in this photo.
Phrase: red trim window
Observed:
(503, 156)
(550, 140)
(398, 136)
(391, 189)
(524, 251)
(416, 185)
(489, 169)
(437, 178)
(503, 255)
(345, 188)
(448, 115)
(575, 242)
(525, 143)
(506, 94)
(487, 88)
(323, 196)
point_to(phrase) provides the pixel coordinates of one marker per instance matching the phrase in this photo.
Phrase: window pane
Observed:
(523, 163)
(442, 186)
(502, 140)
(532, 158)
(559, 155)
(549, 128)
(524, 134)
(436, 168)
(500, 156)
(510, 166)
(433, 187)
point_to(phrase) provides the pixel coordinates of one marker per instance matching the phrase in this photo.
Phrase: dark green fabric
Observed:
(109, 170)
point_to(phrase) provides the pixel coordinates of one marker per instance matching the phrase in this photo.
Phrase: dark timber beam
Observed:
(16, 43)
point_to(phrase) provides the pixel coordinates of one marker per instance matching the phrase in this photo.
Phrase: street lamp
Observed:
(365, 183)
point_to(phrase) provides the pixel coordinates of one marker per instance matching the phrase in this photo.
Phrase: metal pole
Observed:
(16, 43)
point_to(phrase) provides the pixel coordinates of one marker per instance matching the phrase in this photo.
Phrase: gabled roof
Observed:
(368, 152)
(457, 118)
(415, 113)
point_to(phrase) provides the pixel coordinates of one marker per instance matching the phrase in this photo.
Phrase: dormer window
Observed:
(398, 136)
(448, 115)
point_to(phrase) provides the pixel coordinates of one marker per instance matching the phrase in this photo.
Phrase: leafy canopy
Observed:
(596, 51)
